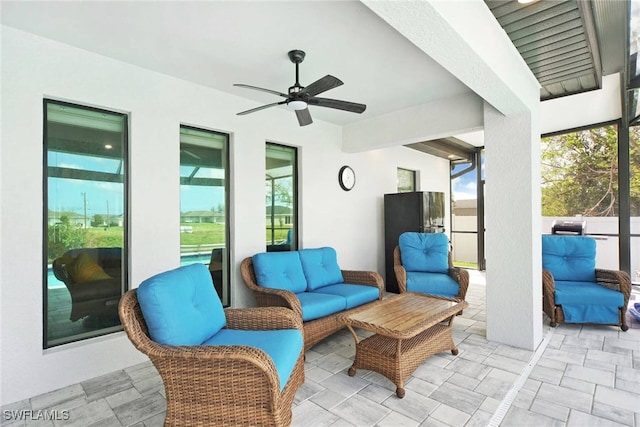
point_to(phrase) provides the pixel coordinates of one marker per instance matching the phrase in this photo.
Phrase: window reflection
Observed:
(281, 198)
(85, 226)
(203, 204)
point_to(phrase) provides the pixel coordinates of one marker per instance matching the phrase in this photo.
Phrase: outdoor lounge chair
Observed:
(219, 367)
(422, 263)
(574, 291)
(93, 277)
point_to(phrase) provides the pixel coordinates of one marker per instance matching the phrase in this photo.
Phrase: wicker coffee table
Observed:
(408, 329)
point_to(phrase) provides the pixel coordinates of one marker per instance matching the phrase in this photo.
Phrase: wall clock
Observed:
(346, 178)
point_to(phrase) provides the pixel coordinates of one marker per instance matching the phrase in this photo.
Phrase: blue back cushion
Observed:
(569, 257)
(181, 306)
(320, 267)
(425, 252)
(279, 270)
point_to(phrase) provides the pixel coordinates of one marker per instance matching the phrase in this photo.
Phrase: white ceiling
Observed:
(219, 43)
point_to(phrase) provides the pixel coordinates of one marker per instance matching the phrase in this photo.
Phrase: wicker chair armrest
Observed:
(461, 276)
(267, 297)
(548, 285)
(206, 362)
(368, 278)
(262, 318)
(399, 270)
(616, 280)
(401, 277)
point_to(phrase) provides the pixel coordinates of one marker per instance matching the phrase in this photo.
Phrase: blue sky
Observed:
(68, 195)
(464, 187)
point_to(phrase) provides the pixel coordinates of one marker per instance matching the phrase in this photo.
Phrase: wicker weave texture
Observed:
(616, 280)
(314, 330)
(408, 328)
(220, 385)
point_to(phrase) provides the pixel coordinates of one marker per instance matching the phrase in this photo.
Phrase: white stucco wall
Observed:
(584, 109)
(34, 68)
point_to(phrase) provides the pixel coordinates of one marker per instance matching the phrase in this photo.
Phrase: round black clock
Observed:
(346, 178)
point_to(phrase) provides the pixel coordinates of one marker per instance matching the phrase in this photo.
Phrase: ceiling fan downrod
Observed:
(296, 56)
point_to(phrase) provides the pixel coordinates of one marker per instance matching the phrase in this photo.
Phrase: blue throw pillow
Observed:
(569, 257)
(320, 267)
(280, 270)
(181, 306)
(425, 252)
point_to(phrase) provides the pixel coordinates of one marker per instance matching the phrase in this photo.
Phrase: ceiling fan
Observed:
(300, 97)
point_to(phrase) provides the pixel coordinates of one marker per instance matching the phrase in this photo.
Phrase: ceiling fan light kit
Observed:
(300, 97)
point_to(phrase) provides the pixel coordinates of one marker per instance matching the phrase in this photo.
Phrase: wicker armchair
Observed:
(568, 256)
(96, 296)
(314, 330)
(459, 275)
(220, 385)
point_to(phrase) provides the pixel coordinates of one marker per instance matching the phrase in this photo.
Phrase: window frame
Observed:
(296, 192)
(45, 222)
(227, 207)
(414, 179)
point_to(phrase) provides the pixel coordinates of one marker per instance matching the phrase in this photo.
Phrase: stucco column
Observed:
(513, 218)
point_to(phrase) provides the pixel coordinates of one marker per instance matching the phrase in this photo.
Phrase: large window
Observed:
(467, 212)
(580, 183)
(282, 199)
(204, 230)
(85, 227)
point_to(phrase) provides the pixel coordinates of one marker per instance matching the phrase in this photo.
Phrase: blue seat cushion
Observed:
(588, 302)
(181, 306)
(355, 295)
(283, 346)
(316, 305)
(279, 270)
(432, 283)
(320, 266)
(425, 252)
(569, 257)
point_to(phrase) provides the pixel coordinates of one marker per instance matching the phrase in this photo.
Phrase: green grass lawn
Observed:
(202, 234)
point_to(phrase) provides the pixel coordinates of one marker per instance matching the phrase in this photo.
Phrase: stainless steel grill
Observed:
(569, 227)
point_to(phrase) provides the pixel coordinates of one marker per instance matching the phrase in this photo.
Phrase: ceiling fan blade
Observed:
(253, 110)
(261, 89)
(304, 117)
(353, 107)
(322, 85)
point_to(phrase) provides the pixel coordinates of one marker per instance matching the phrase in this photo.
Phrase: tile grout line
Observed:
(504, 406)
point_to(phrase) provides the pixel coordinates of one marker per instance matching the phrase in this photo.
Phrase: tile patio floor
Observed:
(585, 376)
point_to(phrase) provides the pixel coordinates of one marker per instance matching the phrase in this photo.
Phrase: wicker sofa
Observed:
(311, 283)
(219, 367)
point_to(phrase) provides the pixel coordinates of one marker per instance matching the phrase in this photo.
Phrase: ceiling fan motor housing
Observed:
(299, 97)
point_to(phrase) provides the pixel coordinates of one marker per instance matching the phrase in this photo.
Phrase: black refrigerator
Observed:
(421, 211)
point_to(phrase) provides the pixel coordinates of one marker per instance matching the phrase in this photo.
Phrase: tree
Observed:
(64, 236)
(98, 220)
(634, 161)
(580, 173)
